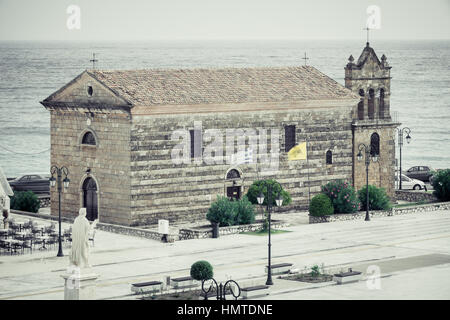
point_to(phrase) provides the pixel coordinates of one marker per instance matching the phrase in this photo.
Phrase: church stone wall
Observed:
(382, 172)
(161, 189)
(109, 161)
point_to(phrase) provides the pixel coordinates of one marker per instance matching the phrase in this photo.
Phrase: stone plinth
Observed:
(79, 285)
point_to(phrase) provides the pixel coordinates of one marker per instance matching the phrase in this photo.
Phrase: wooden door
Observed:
(90, 199)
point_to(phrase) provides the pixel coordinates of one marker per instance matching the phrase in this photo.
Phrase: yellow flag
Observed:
(298, 152)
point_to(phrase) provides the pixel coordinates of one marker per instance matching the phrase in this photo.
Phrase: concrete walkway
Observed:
(412, 252)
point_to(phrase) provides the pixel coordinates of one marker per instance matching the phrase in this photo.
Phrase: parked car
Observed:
(37, 183)
(422, 173)
(408, 183)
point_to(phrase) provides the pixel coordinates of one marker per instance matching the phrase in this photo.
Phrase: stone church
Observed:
(135, 141)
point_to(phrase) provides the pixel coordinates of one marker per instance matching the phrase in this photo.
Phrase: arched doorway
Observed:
(233, 190)
(90, 199)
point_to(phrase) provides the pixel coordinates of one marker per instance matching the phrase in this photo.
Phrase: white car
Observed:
(408, 183)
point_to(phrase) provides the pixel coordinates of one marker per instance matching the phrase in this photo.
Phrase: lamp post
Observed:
(366, 149)
(57, 181)
(279, 202)
(400, 144)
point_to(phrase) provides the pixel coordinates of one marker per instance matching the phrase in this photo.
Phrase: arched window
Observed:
(374, 144)
(89, 138)
(361, 110)
(371, 104)
(233, 174)
(329, 157)
(381, 104)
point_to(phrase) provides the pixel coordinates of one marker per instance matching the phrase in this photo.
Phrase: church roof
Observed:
(223, 85)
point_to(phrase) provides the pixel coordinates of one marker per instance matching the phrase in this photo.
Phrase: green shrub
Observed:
(260, 185)
(222, 211)
(244, 211)
(342, 196)
(378, 200)
(202, 270)
(25, 201)
(320, 205)
(441, 185)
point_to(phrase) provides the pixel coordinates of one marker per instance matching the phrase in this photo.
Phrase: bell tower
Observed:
(372, 123)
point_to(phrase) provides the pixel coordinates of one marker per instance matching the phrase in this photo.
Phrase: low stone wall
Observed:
(202, 233)
(414, 196)
(136, 232)
(129, 231)
(381, 213)
(45, 201)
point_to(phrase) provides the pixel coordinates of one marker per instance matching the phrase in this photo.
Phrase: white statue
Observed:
(81, 228)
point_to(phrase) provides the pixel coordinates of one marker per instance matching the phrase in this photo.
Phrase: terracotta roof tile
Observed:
(224, 85)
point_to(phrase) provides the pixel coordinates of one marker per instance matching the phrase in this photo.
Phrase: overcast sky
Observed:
(191, 19)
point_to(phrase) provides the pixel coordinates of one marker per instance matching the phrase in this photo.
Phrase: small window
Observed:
(329, 157)
(196, 146)
(89, 138)
(90, 91)
(375, 144)
(289, 137)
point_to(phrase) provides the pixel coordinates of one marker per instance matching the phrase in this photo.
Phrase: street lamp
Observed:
(279, 203)
(57, 181)
(368, 156)
(400, 144)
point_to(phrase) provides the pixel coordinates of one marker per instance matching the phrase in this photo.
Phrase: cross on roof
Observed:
(305, 58)
(93, 60)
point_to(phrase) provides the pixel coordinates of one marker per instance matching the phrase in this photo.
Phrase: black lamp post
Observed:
(400, 144)
(59, 172)
(279, 202)
(366, 149)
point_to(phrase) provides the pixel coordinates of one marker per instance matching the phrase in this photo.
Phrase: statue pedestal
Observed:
(80, 285)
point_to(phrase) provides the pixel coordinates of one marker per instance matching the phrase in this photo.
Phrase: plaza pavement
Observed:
(412, 252)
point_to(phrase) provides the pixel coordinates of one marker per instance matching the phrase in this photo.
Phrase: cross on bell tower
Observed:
(93, 60)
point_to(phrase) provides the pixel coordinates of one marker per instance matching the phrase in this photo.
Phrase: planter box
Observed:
(347, 277)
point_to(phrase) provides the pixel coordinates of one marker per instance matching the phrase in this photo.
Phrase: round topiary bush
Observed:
(321, 205)
(202, 270)
(25, 201)
(261, 185)
(378, 199)
(441, 185)
(342, 195)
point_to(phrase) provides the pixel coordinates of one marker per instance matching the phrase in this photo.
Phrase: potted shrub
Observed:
(221, 213)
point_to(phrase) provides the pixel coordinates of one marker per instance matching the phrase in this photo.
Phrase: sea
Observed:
(30, 71)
